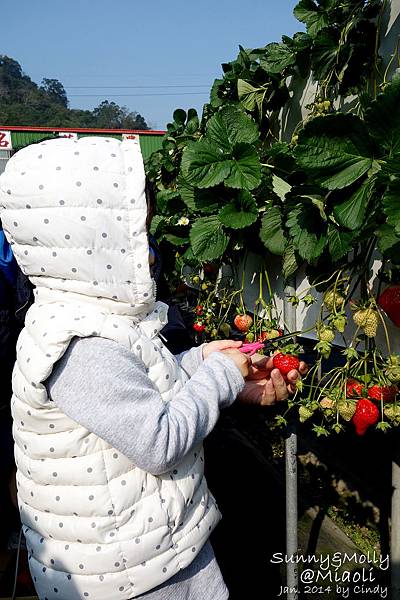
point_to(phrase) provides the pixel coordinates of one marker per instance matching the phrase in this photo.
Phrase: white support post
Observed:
(395, 531)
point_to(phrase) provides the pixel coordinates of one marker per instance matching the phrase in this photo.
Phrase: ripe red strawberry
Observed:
(387, 393)
(389, 301)
(199, 327)
(243, 322)
(263, 336)
(285, 362)
(366, 414)
(210, 268)
(353, 388)
(199, 309)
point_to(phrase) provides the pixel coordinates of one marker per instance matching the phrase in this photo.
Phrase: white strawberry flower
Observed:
(183, 221)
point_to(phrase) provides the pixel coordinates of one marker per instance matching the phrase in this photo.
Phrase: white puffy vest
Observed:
(97, 526)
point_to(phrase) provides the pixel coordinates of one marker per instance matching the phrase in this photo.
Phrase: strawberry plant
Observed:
(321, 198)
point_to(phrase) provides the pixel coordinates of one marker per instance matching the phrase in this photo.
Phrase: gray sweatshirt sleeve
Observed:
(190, 360)
(105, 388)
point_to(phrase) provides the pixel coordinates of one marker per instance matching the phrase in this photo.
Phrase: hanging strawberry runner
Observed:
(319, 197)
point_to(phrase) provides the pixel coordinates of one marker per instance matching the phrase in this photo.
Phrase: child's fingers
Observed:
(280, 386)
(269, 394)
(303, 368)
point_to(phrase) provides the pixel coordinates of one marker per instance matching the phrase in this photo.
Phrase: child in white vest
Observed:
(108, 424)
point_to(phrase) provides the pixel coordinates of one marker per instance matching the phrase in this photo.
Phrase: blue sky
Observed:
(95, 47)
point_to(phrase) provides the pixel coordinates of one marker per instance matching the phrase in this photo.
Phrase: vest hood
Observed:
(74, 212)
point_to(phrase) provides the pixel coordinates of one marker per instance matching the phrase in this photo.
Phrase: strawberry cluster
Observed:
(366, 413)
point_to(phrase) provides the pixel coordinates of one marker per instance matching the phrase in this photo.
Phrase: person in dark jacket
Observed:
(15, 299)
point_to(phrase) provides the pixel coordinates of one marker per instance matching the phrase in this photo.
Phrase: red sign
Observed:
(67, 134)
(5, 140)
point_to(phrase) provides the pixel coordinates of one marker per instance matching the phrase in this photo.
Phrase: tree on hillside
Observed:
(13, 82)
(111, 115)
(55, 90)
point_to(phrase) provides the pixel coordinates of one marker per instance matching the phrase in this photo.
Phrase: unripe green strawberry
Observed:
(327, 403)
(274, 333)
(333, 300)
(393, 374)
(392, 371)
(326, 334)
(324, 348)
(346, 409)
(327, 105)
(339, 322)
(368, 320)
(394, 359)
(392, 412)
(304, 413)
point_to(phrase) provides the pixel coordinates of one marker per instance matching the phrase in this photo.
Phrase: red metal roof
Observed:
(80, 130)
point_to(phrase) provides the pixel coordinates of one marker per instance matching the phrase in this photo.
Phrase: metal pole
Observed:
(289, 313)
(395, 530)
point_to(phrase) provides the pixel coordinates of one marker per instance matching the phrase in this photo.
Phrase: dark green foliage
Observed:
(313, 200)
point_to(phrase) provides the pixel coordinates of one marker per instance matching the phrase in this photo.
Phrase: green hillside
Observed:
(23, 102)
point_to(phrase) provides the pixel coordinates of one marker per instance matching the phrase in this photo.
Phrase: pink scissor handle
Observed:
(251, 348)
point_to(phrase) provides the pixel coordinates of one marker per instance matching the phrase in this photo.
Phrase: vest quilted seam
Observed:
(122, 557)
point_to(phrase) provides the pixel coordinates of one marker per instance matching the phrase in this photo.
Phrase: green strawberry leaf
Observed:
(391, 205)
(216, 91)
(280, 187)
(241, 212)
(245, 168)
(251, 97)
(290, 261)
(167, 200)
(339, 242)
(231, 126)
(176, 240)
(179, 116)
(335, 150)
(324, 53)
(307, 231)
(383, 117)
(314, 17)
(208, 239)
(272, 233)
(389, 242)
(278, 57)
(351, 212)
(204, 164)
(157, 224)
(199, 200)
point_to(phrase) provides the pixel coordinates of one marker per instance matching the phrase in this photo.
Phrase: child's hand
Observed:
(242, 361)
(265, 385)
(219, 345)
(262, 367)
